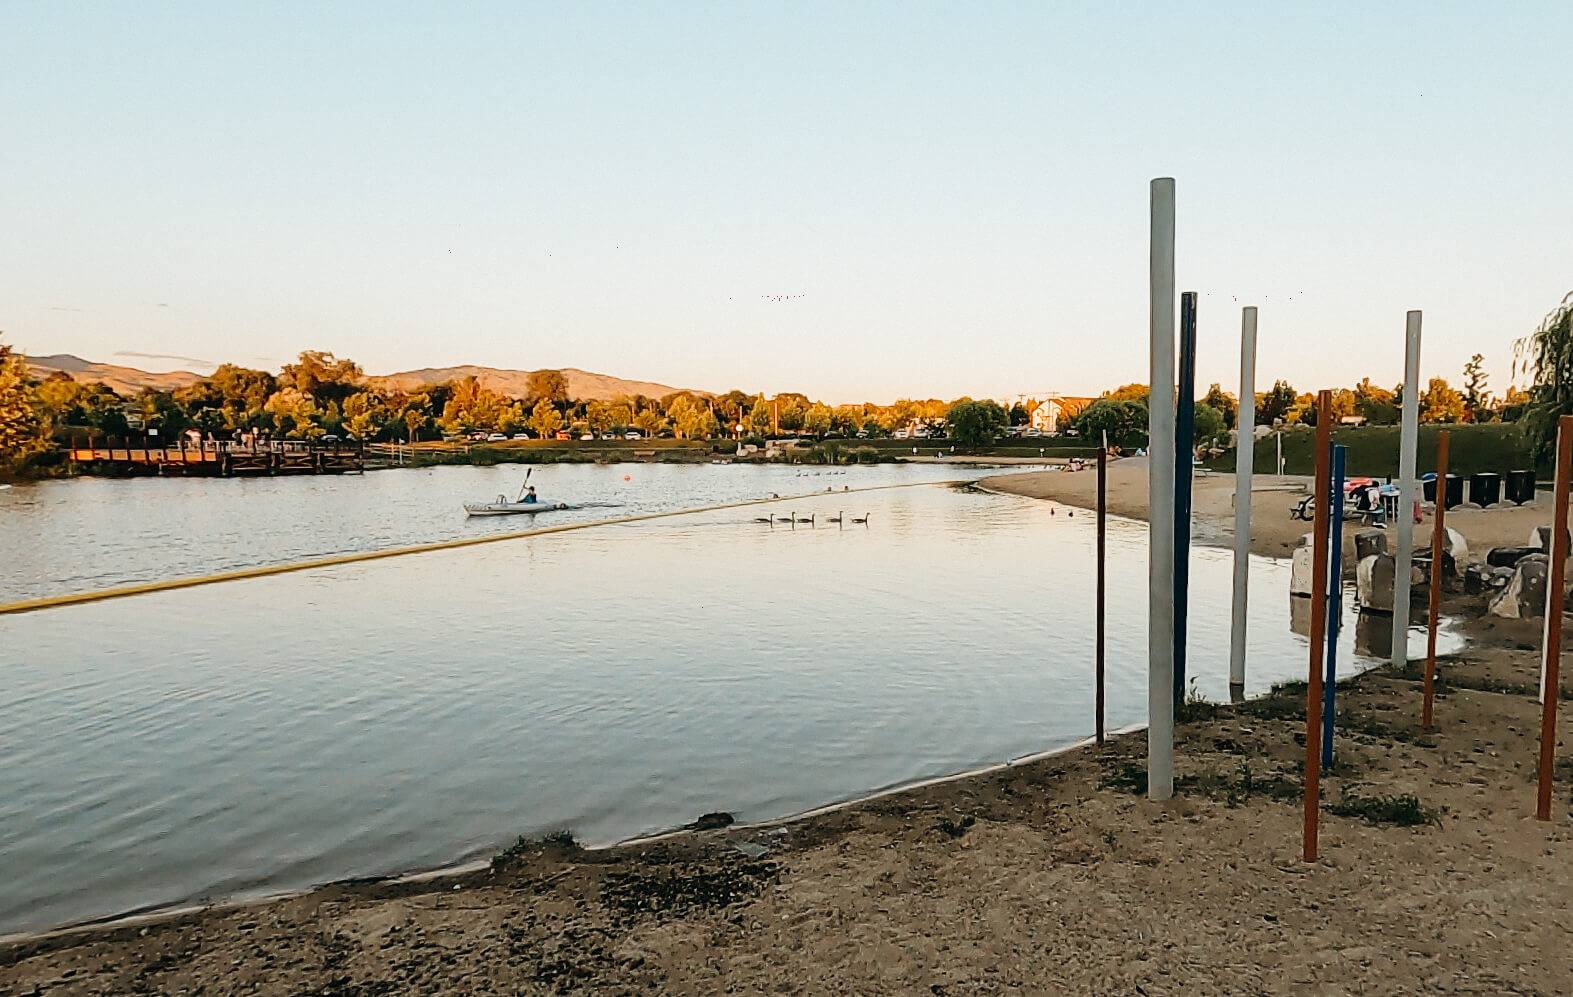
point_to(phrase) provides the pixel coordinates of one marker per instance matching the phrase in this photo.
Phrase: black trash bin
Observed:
(1520, 487)
(1485, 488)
(1455, 490)
(1428, 487)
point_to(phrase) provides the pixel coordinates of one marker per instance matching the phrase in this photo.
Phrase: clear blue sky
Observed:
(949, 198)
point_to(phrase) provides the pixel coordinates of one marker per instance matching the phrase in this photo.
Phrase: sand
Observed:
(1273, 532)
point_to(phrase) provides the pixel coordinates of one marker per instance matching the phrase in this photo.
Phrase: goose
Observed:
(861, 520)
(835, 519)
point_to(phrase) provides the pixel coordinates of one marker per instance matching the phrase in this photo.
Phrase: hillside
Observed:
(582, 384)
(124, 380)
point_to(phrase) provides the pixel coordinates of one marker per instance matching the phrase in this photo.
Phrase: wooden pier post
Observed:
(1434, 603)
(1552, 660)
(1313, 692)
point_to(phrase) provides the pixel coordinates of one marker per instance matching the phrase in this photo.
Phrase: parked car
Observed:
(633, 436)
(521, 436)
(496, 437)
(586, 437)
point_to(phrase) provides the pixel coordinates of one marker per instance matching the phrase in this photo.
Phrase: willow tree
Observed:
(1547, 356)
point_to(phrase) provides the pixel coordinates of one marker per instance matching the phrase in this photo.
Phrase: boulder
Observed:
(1374, 583)
(1540, 539)
(1300, 571)
(1368, 542)
(1524, 597)
(1506, 557)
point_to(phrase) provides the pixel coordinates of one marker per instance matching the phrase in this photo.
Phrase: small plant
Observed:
(559, 841)
(956, 828)
(1401, 810)
(1195, 707)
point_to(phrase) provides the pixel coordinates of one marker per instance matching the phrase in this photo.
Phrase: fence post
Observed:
(1184, 435)
(1103, 511)
(1335, 600)
(1160, 494)
(1434, 602)
(1244, 461)
(1408, 440)
(1313, 692)
(1550, 687)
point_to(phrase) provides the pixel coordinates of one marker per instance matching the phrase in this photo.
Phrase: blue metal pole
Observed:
(1335, 601)
(1184, 449)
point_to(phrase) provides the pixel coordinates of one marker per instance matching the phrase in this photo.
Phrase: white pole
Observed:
(1244, 458)
(1408, 443)
(1278, 438)
(1160, 497)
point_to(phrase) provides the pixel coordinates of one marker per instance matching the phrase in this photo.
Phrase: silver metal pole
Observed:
(1160, 497)
(1244, 459)
(1408, 443)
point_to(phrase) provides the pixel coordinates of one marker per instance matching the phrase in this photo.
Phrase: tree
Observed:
(1019, 416)
(1207, 424)
(976, 424)
(816, 420)
(1124, 421)
(759, 419)
(545, 419)
(471, 407)
(1375, 403)
(365, 415)
(1477, 401)
(1547, 356)
(691, 418)
(1274, 404)
(649, 422)
(550, 385)
(1224, 402)
(322, 376)
(1440, 402)
(1130, 393)
(294, 412)
(20, 437)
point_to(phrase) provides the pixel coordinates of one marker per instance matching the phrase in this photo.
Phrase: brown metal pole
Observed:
(1550, 683)
(1438, 540)
(1103, 510)
(1313, 691)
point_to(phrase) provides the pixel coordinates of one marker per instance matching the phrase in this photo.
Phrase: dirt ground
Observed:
(1273, 532)
(1051, 876)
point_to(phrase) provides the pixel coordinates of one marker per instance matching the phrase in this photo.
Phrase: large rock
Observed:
(1540, 538)
(1374, 582)
(1524, 598)
(1368, 542)
(1300, 571)
(1506, 557)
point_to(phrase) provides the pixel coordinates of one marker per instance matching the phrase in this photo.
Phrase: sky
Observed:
(854, 200)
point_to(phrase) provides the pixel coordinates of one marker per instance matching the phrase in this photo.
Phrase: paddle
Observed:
(527, 473)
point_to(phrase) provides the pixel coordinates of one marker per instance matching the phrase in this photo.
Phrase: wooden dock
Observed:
(221, 459)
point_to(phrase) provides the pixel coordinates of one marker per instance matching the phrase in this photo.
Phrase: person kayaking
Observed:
(529, 495)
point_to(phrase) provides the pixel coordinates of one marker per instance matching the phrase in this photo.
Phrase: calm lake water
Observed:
(92, 533)
(403, 714)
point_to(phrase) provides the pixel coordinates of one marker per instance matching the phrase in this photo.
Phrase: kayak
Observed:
(505, 508)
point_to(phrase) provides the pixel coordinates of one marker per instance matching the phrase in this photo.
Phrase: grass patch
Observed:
(1234, 788)
(956, 828)
(1401, 810)
(558, 842)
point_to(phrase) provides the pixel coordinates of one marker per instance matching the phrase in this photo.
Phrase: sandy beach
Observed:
(1273, 532)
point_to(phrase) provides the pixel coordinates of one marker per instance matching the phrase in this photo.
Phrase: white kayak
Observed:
(502, 507)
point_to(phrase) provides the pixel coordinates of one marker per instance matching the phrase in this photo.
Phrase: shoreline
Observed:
(1138, 894)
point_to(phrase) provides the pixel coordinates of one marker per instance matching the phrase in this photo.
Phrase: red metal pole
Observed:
(1550, 685)
(1438, 541)
(1313, 691)
(1103, 508)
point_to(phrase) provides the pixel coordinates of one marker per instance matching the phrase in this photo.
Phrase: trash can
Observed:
(1454, 490)
(1520, 487)
(1428, 486)
(1485, 488)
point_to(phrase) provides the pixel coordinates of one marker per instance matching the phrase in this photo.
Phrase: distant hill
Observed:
(582, 384)
(124, 380)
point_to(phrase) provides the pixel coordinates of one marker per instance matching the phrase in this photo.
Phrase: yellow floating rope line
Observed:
(262, 571)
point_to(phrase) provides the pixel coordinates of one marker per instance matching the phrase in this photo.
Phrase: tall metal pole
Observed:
(1408, 440)
(1313, 691)
(1244, 461)
(1160, 495)
(1434, 603)
(1552, 658)
(1103, 511)
(1184, 448)
(1335, 600)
